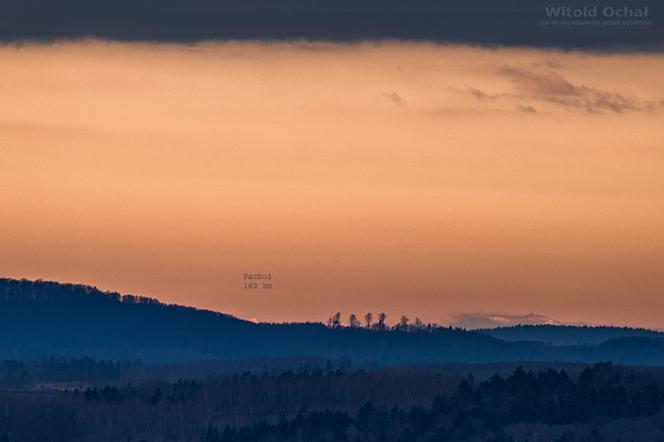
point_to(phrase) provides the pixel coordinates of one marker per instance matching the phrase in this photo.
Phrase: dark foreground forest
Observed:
(314, 403)
(81, 365)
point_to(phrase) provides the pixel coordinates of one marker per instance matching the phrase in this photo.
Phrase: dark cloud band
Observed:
(484, 22)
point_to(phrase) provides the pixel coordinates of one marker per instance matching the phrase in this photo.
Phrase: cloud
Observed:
(482, 22)
(550, 87)
(481, 95)
(549, 64)
(535, 83)
(492, 320)
(486, 96)
(597, 101)
(396, 99)
(527, 109)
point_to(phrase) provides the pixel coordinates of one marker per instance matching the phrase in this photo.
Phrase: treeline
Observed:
(58, 373)
(156, 410)
(15, 373)
(379, 322)
(24, 290)
(499, 409)
(567, 334)
(416, 404)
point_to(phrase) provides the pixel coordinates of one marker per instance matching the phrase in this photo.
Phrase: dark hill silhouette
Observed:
(567, 334)
(41, 319)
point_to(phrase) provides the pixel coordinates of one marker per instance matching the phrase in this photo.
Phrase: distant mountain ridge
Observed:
(41, 319)
(567, 334)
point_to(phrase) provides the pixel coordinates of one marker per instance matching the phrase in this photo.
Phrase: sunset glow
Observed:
(417, 179)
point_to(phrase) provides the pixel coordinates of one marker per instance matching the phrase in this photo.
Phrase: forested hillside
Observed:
(42, 319)
(567, 334)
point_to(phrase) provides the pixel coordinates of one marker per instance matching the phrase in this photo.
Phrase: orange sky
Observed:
(410, 178)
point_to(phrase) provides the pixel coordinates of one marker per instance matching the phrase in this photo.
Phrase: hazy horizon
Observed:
(411, 178)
